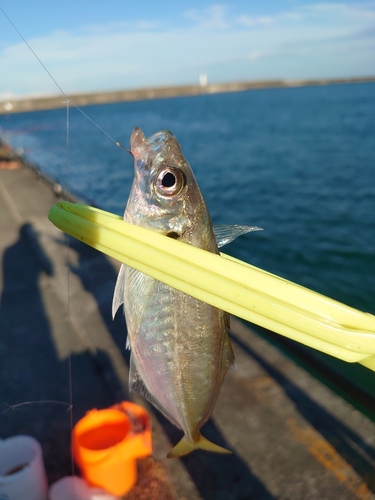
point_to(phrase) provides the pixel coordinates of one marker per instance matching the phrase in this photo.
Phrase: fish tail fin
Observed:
(186, 446)
(182, 448)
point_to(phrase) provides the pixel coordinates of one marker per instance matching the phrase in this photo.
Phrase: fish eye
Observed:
(170, 181)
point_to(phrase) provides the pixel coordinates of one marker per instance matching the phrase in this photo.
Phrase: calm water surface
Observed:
(299, 162)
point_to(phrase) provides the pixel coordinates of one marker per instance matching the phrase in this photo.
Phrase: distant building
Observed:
(203, 79)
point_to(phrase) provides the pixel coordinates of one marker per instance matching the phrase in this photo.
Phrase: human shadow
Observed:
(24, 326)
(35, 397)
(225, 477)
(29, 372)
(358, 453)
(98, 277)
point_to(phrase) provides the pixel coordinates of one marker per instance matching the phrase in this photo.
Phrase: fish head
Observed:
(165, 195)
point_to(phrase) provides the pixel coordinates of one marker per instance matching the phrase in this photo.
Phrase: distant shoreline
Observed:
(142, 94)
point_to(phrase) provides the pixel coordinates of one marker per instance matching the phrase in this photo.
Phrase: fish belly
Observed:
(177, 346)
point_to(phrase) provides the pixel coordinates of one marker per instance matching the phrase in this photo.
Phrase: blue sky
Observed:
(89, 45)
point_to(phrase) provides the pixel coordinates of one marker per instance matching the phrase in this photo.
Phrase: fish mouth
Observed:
(173, 235)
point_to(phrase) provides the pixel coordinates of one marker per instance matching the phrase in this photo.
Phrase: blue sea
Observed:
(298, 162)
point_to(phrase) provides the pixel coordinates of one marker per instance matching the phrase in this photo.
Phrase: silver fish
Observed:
(180, 349)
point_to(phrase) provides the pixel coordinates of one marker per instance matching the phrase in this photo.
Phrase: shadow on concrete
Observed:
(225, 477)
(98, 277)
(34, 382)
(31, 371)
(346, 442)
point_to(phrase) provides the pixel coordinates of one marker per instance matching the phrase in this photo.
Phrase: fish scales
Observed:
(180, 349)
(171, 363)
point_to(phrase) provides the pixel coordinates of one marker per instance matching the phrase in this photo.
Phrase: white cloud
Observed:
(140, 24)
(257, 54)
(320, 40)
(251, 21)
(354, 12)
(213, 17)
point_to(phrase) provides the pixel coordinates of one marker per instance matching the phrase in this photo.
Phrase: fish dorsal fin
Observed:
(227, 360)
(118, 295)
(225, 234)
(136, 384)
(226, 320)
(227, 354)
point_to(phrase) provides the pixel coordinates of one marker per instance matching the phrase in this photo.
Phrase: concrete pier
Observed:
(292, 437)
(142, 94)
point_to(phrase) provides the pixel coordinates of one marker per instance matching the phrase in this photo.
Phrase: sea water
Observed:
(298, 162)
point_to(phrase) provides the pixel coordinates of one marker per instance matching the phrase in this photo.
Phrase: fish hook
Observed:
(125, 149)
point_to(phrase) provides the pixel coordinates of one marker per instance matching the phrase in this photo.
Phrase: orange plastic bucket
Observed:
(106, 444)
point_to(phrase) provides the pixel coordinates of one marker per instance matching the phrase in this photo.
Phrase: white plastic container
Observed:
(75, 488)
(22, 473)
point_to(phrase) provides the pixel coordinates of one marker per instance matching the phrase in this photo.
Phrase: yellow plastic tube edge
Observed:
(239, 288)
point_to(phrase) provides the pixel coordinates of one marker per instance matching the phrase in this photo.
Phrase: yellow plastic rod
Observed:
(227, 283)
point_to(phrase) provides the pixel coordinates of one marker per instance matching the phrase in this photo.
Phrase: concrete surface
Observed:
(292, 437)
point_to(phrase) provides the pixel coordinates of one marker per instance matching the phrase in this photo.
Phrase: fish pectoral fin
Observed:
(224, 234)
(118, 295)
(186, 446)
(139, 291)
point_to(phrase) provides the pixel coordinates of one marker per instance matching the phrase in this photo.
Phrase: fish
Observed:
(180, 347)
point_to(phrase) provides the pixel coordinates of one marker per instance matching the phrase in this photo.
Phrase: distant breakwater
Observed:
(85, 99)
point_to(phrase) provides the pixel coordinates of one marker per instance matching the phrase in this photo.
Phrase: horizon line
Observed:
(56, 101)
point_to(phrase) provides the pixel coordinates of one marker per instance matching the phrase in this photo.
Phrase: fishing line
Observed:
(58, 86)
(69, 103)
(70, 376)
(24, 403)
